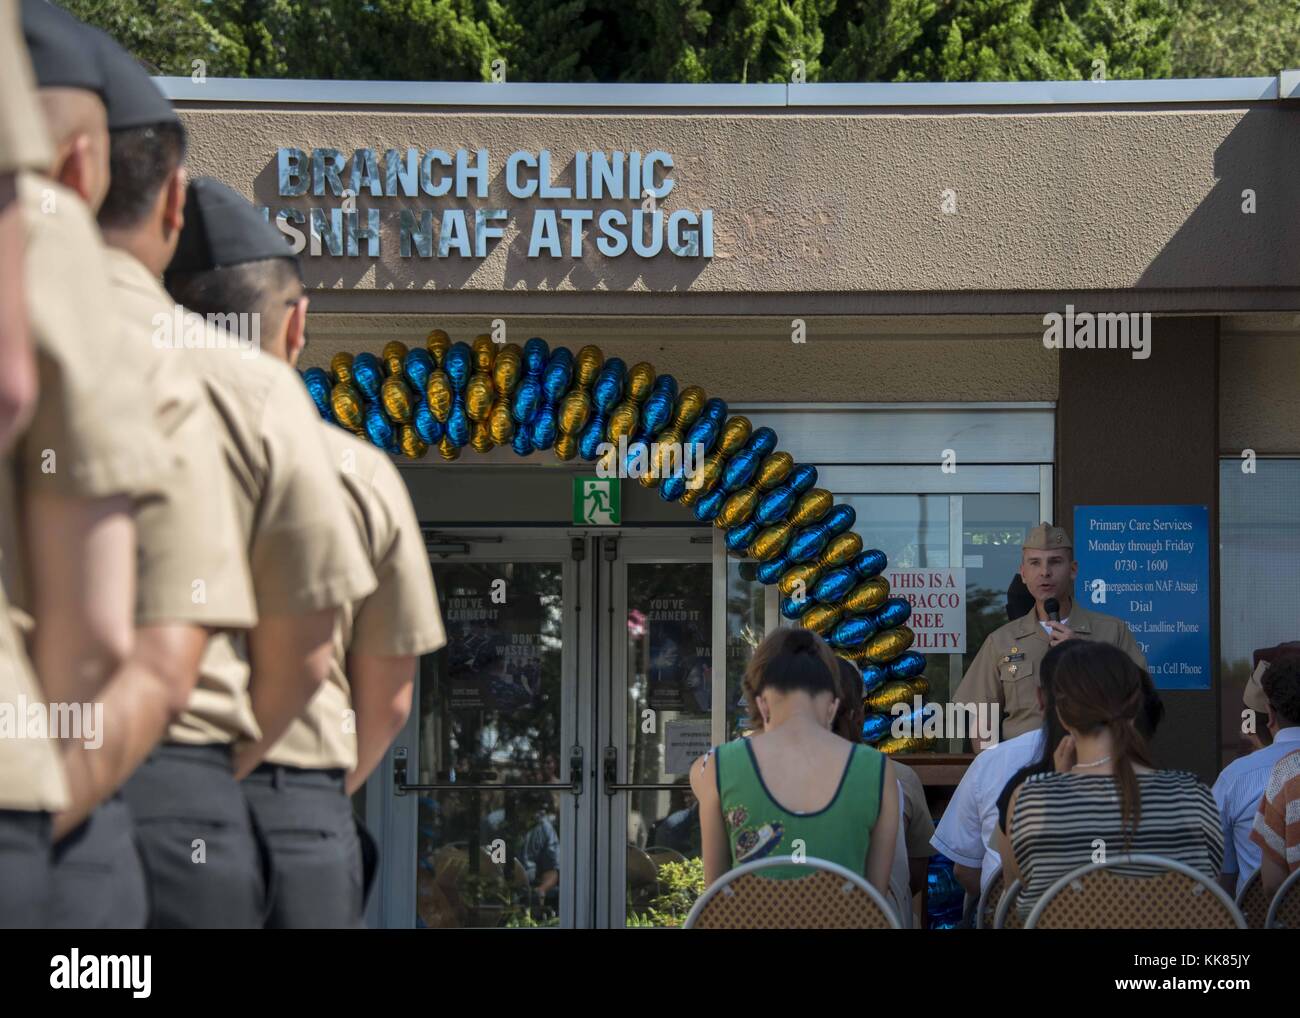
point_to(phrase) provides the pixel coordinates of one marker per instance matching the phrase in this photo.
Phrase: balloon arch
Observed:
(452, 395)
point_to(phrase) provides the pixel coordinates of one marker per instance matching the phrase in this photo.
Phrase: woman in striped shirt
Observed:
(1105, 798)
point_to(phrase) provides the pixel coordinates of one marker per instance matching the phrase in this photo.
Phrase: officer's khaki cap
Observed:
(1046, 537)
(1253, 695)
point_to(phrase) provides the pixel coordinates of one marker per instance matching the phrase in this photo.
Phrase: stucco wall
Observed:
(1259, 390)
(828, 204)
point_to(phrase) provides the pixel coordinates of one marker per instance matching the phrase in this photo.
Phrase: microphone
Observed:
(1053, 608)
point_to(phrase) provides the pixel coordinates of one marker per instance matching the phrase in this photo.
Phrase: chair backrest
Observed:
(1284, 912)
(830, 897)
(990, 897)
(1171, 897)
(1253, 902)
(1007, 916)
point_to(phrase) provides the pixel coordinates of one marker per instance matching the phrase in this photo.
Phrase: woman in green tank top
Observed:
(796, 788)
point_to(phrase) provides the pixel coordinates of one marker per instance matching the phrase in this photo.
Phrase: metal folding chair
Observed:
(1284, 912)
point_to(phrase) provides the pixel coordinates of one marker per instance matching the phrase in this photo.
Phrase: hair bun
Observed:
(800, 641)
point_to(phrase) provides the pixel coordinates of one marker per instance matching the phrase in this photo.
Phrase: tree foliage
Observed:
(705, 40)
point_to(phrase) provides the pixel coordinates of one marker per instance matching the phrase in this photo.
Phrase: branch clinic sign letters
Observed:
(602, 201)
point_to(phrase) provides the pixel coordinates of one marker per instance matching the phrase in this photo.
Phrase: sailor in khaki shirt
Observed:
(1003, 678)
(191, 573)
(303, 787)
(294, 536)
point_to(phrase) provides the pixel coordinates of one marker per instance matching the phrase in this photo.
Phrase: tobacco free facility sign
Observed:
(596, 502)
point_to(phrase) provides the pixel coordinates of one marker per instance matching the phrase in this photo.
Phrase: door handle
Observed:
(612, 785)
(575, 769)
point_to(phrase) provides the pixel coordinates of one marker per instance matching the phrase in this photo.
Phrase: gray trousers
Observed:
(24, 869)
(316, 851)
(98, 876)
(206, 863)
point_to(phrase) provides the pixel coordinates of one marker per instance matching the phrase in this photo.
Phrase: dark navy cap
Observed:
(64, 52)
(223, 228)
(133, 100)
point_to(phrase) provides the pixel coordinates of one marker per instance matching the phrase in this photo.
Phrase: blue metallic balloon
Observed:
(417, 367)
(536, 353)
(592, 438)
(907, 665)
(521, 443)
(839, 519)
(740, 469)
(801, 478)
(458, 364)
(796, 607)
(874, 676)
(704, 433)
(558, 375)
(367, 374)
(808, 543)
(770, 571)
(893, 612)
(665, 383)
(657, 411)
(710, 505)
(426, 425)
(673, 487)
(543, 428)
(458, 424)
(853, 632)
(714, 410)
(527, 398)
(834, 585)
(378, 429)
(742, 536)
(762, 441)
(776, 504)
(607, 389)
(319, 388)
(911, 724)
(869, 563)
(876, 726)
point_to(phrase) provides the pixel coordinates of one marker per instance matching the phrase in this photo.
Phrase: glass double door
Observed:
(542, 779)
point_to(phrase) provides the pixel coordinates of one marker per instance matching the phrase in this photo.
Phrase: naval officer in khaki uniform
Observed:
(191, 569)
(31, 776)
(232, 261)
(1005, 671)
(206, 863)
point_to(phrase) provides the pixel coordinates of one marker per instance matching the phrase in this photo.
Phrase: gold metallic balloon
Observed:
(481, 439)
(820, 617)
(771, 542)
(589, 362)
(438, 392)
(639, 380)
(622, 422)
(896, 691)
(735, 433)
(856, 654)
(807, 572)
(868, 596)
(341, 367)
(396, 399)
(888, 645)
(478, 397)
(566, 447)
(689, 404)
(669, 441)
(347, 406)
(811, 507)
(437, 343)
(893, 747)
(841, 549)
(737, 509)
(500, 423)
(412, 444)
(394, 357)
(575, 409)
(484, 352)
(506, 367)
(774, 469)
(707, 478)
(448, 449)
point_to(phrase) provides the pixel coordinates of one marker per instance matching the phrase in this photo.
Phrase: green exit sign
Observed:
(596, 502)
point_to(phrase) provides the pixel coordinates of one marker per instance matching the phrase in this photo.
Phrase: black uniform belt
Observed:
(281, 775)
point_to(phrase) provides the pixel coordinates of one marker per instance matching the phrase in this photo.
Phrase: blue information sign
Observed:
(1150, 566)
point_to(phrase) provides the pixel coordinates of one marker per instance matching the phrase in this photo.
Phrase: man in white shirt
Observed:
(967, 830)
(1242, 782)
